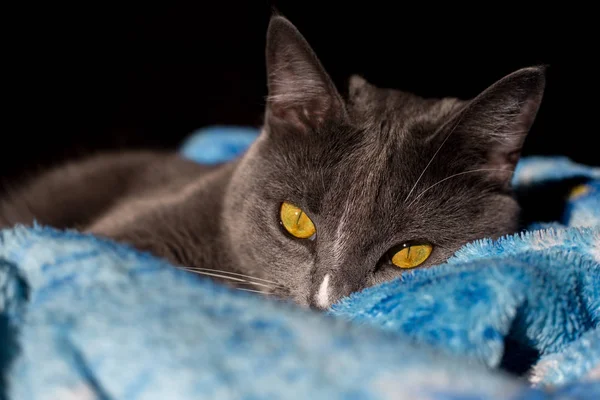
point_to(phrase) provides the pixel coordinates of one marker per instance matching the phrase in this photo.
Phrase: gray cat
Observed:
(337, 194)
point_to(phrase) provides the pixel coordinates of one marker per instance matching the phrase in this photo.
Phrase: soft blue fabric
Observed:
(218, 144)
(85, 318)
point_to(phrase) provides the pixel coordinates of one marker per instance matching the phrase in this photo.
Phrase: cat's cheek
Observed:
(287, 261)
(299, 284)
(385, 273)
(290, 264)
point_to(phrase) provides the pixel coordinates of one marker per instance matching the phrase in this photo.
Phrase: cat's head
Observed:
(372, 184)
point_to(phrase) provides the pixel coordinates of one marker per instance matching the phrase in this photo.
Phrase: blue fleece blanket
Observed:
(516, 318)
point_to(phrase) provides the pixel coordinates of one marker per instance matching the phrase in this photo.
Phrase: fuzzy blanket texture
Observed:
(516, 318)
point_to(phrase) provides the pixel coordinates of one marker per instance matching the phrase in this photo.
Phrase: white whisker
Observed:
(230, 273)
(231, 278)
(455, 175)
(253, 291)
(430, 161)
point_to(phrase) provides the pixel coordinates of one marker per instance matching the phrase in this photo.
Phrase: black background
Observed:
(93, 78)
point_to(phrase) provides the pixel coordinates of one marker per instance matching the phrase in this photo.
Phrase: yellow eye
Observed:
(296, 222)
(410, 255)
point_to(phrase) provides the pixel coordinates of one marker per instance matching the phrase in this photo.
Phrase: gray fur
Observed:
(372, 171)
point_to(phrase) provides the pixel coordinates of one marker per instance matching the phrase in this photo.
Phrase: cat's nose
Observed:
(330, 290)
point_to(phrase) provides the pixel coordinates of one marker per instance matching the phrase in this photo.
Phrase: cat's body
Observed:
(372, 171)
(144, 198)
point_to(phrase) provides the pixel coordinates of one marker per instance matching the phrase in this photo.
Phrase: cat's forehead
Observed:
(370, 106)
(381, 151)
(393, 129)
(390, 132)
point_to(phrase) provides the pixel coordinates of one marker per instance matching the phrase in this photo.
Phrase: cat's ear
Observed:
(300, 91)
(496, 122)
(359, 90)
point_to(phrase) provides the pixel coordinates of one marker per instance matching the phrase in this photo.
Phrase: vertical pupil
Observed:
(299, 212)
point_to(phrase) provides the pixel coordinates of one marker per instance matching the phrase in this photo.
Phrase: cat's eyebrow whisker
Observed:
(434, 154)
(253, 291)
(219, 271)
(231, 278)
(455, 175)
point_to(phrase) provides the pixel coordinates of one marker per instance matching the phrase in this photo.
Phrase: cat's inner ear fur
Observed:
(496, 122)
(300, 91)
